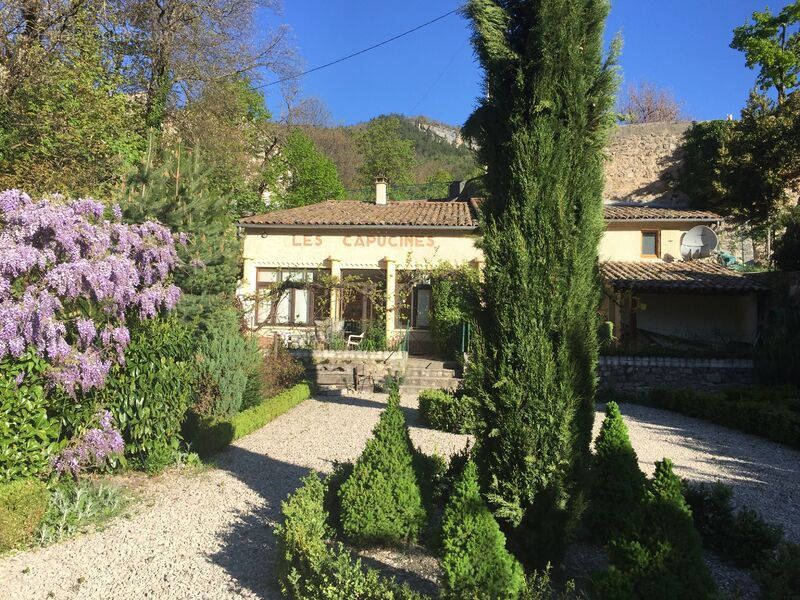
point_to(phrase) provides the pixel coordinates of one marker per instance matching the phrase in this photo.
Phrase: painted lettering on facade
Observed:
(368, 241)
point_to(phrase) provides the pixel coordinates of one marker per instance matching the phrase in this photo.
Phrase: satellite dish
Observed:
(698, 242)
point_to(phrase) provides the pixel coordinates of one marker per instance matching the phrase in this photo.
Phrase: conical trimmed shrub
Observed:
(618, 483)
(662, 558)
(475, 562)
(381, 501)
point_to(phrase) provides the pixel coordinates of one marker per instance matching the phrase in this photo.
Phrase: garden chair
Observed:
(354, 340)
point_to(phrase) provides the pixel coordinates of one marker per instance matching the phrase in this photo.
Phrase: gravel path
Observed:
(763, 475)
(208, 535)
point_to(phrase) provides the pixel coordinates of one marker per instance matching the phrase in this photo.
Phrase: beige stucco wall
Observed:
(712, 317)
(623, 241)
(354, 249)
(344, 249)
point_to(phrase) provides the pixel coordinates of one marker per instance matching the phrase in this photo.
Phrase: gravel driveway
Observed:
(208, 535)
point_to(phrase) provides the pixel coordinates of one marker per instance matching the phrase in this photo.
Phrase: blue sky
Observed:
(681, 45)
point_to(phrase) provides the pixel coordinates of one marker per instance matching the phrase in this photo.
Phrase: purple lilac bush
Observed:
(70, 274)
(92, 449)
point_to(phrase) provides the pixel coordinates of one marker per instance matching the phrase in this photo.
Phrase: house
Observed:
(388, 247)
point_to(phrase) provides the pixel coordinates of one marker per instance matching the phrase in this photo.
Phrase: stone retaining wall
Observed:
(332, 370)
(633, 374)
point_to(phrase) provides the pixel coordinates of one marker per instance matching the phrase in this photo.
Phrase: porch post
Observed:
(391, 277)
(336, 272)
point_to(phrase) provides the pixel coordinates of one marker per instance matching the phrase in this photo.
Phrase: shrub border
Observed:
(773, 422)
(207, 435)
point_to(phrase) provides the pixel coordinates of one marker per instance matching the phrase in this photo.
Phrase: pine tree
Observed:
(541, 129)
(172, 187)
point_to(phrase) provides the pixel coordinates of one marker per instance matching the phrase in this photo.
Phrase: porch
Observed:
(343, 307)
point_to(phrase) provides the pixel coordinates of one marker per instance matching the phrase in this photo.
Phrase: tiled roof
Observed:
(436, 213)
(414, 213)
(620, 212)
(679, 276)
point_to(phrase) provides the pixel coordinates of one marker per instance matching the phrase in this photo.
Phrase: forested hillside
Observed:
(435, 160)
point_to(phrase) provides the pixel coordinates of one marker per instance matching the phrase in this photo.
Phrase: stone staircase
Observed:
(429, 373)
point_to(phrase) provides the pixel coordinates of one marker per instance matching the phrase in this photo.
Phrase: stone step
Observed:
(414, 390)
(417, 372)
(434, 381)
(432, 384)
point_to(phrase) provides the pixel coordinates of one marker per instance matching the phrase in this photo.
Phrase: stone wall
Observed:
(333, 370)
(643, 163)
(635, 374)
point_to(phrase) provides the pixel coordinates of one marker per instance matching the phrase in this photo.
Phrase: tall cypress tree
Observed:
(541, 129)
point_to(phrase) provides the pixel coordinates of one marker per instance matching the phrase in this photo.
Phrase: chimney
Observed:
(456, 189)
(380, 190)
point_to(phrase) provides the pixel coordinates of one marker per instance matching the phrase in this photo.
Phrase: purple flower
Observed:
(92, 449)
(67, 260)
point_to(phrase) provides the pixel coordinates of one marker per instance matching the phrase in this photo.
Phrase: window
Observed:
(421, 315)
(650, 243)
(296, 303)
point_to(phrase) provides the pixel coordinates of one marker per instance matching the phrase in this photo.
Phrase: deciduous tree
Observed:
(772, 42)
(385, 153)
(647, 103)
(300, 174)
(541, 128)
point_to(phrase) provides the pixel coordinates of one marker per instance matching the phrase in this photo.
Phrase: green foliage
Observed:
(703, 149)
(744, 168)
(206, 434)
(617, 482)
(301, 174)
(22, 506)
(786, 252)
(780, 578)
(447, 412)
(777, 359)
(539, 586)
(173, 186)
(225, 361)
(374, 336)
(661, 554)
(769, 43)
(228, 126)
(68, 127)
(311, 569)
(455, 293)
(743, 537)
(151, 392)
(76, 507)
(475, 562)
(769, 411)
(381, 501)
(385, 153)
(541, 127)
(27, 437)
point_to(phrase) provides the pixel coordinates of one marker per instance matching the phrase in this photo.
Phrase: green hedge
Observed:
(22, 506)
(207, 434)
(310, 567)
(768, 412)
(150, 393)
(446, 412)
(28, 438)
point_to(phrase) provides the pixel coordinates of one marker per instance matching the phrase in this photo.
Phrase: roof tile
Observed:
(620, 212)
(679, 276)
(437, 213)
(415, 213)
